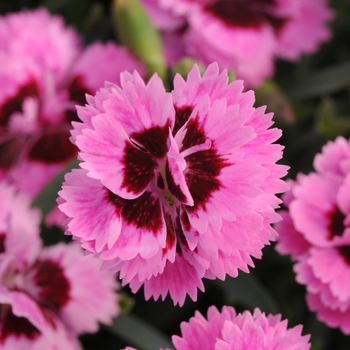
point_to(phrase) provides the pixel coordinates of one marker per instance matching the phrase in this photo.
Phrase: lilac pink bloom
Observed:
(48, 295)
(316, 233)
(174, 187)
(246, 36)
(44, 72)
(229, 330)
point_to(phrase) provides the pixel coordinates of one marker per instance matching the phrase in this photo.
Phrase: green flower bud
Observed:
(134, 29)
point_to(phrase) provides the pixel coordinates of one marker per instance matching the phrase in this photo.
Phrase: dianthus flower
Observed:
(228, 330)
(48, 296)
(315, 230)
(19, 227)
(44, 73)
(246, 36)
(174, 186)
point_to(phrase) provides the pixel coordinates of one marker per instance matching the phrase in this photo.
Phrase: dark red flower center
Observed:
(2, 242)
(247, 13)
(14, 103)
(77, 90)
(142, 212)
(53, 285)
(146, 168)
(53, 147)
(345, 253)
(11, 325)
(336, 225)
(10, 149)
(203, 168)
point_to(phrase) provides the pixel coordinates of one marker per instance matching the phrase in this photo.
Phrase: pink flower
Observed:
(235, 33)
(73, 285)
(19, 226)
(175, 186)
(65, 290)
(25, 325)
(227, 330)
(316, 232)
(44, 74)
(48, 296)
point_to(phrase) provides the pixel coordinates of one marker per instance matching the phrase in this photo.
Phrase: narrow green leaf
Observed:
(320, 83)
(327, 122)
(138, 333)
(46, 199)
(271, 95)
(55, 5)
(135, 30)
(248, 291)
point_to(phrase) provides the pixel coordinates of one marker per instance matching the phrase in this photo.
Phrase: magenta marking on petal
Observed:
(203, 167)
(53, 148)
(142, 212)
(336, 222)
(77, 91)
(12, 325)
(53, 285)
(246, 14)
(345, 253)
(173, 187)
(14, 103)
(2, 242)
(182, 114)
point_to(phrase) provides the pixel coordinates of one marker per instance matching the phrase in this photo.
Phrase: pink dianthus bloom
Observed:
(246, 36)
(227, 330)
(316, 232)
(26, 325)
(44, 74)
(19, 226)
(48, 296)
(63, 289)
(174, 186)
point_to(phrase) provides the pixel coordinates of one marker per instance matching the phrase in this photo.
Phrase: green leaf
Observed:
(272, 96)
(55, 5)
(46, 199)
(320, 83)
(247, 290)
(327, 122)
(138, 333)
(135, 29)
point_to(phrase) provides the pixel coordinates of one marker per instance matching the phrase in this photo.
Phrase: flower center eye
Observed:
(336, 225)
(136, 144)
(246, 13)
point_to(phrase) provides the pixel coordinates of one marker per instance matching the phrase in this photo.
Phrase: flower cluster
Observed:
(174, 186)
(228, 330)
(316, 232)
(246, 36)
(48, 295)
(44, 73)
